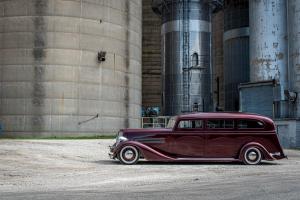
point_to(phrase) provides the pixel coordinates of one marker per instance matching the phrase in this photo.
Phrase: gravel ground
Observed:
(81, 169)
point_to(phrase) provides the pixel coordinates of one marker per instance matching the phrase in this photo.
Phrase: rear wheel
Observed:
(252, 156)
(129, 155)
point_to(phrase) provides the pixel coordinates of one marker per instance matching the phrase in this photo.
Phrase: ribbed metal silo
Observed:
(268, 42)
(294, 52)
(236, 50)
(51, 80)
(186, 55)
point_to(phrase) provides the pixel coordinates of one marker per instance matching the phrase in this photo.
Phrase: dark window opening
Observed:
(190, 124)
(195, 60)
(242, 124)
(220, 124)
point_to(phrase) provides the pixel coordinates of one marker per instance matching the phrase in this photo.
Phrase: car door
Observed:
(188, 139)
(221, 138)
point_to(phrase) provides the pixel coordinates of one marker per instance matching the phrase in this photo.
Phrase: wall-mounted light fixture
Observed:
(101, 56)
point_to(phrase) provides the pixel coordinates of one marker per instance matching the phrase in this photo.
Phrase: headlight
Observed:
(120, 138)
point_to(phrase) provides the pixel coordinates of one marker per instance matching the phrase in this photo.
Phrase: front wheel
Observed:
(252, 156)
(129, 155)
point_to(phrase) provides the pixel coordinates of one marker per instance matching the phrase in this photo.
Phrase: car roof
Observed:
(223, 115)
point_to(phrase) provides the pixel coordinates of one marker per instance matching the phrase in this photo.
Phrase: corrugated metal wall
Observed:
(236, 50)
(257, 98)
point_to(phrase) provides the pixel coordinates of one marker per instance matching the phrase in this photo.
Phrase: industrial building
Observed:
(88, 67)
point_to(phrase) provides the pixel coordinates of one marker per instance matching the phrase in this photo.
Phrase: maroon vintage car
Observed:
(200, 137)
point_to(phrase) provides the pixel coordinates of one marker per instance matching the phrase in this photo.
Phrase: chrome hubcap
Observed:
(129, 154)
(252, 156)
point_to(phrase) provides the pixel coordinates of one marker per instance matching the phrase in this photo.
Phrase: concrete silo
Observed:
(51, 80)
(268, 41)
(268, 59)
(186, 55)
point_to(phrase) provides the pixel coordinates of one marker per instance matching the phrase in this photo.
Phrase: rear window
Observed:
(190, 124)
(245, 124)
(214, 124)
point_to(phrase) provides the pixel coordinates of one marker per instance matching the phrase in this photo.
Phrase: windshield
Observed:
(171, 122)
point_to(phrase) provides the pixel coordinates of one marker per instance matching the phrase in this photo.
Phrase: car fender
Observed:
(147, 152)
(266, 154)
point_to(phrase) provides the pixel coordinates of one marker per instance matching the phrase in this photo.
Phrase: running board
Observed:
(208, 159)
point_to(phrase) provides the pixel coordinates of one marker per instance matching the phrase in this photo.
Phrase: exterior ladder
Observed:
(186, 107)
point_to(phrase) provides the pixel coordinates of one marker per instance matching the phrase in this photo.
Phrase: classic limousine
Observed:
(200, 137)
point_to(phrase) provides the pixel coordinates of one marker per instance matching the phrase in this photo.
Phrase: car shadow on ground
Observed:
(144, 162)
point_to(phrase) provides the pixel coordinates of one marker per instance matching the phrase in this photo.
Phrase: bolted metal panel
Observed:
(197, 50)
(236, 50)
(268, 42)
(294, 50)
(51, 81)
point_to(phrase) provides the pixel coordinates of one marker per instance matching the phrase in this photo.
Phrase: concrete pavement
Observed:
(81, 169)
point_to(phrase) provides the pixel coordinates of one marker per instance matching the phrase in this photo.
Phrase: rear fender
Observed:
(147, 152)
(266, 154)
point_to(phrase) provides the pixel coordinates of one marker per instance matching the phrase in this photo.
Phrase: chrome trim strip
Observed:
(275, 154)
(236, 33)
(151, 140)
(195, 26)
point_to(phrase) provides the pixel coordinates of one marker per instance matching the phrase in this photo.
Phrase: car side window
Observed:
(244, 124)
(223, 124)
(190, 124)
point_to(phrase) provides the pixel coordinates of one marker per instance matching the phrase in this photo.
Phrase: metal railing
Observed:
(155, 122)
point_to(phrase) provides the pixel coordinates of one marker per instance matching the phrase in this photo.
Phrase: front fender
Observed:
(266, 154)
(147, 152)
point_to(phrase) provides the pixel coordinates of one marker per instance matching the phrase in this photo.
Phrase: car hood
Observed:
(143, 132)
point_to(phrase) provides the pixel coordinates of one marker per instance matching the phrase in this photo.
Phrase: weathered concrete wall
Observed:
(288, 131)
(151, 57)
(217, 61)
(51, 79)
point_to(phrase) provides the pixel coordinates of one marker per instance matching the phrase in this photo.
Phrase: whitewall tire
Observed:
(252, 156)
(129, 155)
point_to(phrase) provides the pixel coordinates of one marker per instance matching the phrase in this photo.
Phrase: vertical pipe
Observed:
(217, 58)
(218, 92)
